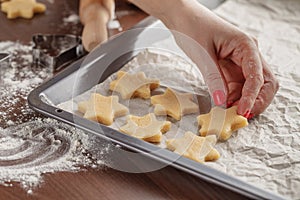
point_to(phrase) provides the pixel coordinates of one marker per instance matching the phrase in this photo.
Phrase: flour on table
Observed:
(41, 146)
(16, 81)
(31, 146)
(73, 18)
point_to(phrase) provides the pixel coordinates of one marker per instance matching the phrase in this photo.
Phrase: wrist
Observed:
(165, 10)
(184, 15)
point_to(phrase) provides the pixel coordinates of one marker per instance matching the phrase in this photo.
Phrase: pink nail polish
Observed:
(229, 104)
(219, 97)
(247, 114)
(251, 116)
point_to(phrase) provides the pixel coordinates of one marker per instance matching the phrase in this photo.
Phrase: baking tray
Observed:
(61, 88)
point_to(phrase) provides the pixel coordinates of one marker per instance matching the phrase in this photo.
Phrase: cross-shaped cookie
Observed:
(174, 104)
(147, 127)
(133, 85)
(22, 8)
(195, 147)
(102, 109)
(221, 122)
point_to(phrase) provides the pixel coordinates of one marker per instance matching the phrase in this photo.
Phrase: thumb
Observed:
(214, 81)
(206, 61)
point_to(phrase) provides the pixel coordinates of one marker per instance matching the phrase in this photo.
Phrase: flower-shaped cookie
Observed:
(174, 104)
(147, 127)
(102, 109)
(22, 8)
(133, 85)
(195, 147)
(221, 122)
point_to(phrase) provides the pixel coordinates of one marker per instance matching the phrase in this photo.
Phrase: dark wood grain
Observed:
(105, 183)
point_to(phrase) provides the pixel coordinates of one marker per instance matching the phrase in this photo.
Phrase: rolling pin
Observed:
(94, 15)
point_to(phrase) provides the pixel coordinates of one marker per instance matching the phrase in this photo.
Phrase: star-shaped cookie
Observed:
(102, 109)
(147, 127)
(174, 104)
(133, 85)
(22, 8)
(195, 147)
(221, 122)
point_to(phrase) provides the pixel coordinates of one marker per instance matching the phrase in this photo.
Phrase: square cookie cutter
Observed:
(56, 51)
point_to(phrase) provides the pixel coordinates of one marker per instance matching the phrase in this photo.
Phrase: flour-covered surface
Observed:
(41, 146)
(16, 81)
(267, 152)
(30, 145)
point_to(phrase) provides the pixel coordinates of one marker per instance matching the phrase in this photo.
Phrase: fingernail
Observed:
(251, 116)
(247, 114)
(219, 97)
(229, 104)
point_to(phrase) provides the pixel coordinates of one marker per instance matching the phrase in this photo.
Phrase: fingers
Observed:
(215, 85)
(246, 55)
(268, 90)
(234, 79)
(205, 59)
(214, 80)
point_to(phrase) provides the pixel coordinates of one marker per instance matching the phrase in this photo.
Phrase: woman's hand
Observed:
(249, 80)
(238, 74)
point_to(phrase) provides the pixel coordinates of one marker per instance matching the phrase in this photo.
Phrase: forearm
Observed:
(172, 12)
(159, 8)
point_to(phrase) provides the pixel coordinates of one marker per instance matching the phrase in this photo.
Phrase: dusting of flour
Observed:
(29, 144)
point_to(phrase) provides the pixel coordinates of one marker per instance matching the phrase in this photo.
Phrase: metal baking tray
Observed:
(61, 88)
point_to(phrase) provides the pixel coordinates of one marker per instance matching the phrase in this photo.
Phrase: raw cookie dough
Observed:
(22, 8)
(147, 127)
(102, 109)
(195, 147)
(221, 122)
(174, 104)
(133, 85)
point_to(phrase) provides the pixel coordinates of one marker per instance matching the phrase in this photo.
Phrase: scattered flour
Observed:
(17, 80)
(29, 144)
(29, 150)
(114, 24)
(73, 18)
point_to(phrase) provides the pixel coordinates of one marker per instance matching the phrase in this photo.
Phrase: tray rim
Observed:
(189, 166)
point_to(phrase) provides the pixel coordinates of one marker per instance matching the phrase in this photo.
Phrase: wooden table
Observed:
(167, 183)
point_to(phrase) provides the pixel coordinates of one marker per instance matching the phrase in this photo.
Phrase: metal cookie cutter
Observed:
(56, 51)
(4, 59)
(4, 63)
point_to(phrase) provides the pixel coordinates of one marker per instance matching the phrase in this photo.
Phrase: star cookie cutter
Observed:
(4, 63)
(56, 51)
(4, 59)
